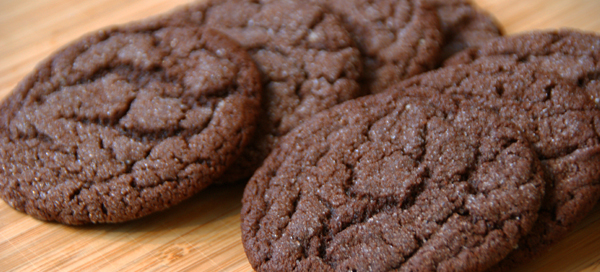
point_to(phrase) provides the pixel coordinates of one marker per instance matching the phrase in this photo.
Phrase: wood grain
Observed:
(201, 234)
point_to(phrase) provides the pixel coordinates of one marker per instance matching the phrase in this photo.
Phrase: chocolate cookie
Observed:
(397, 38)
(547, 82)
(125, 122)
(306, 58)
(464, 25)
(387, 182)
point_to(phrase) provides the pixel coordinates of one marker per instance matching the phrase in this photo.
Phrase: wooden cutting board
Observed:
(201, 234)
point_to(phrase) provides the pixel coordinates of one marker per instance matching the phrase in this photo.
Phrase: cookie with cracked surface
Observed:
(125, 122)
(387, 182)
(306, 58)
(548, 83)
(464, 25)
(397, 38)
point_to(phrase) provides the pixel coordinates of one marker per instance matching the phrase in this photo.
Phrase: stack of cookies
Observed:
(373, 135)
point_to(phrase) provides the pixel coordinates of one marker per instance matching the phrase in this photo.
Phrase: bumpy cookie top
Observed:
(306, 58)
(125, 122)
(386, 182)
(397, 38)
(567, 123)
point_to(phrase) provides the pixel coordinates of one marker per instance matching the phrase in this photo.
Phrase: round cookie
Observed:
(125, 122)
(307, 61)
(387, 182)
(397, 38)
(547, 82)
(464, 25)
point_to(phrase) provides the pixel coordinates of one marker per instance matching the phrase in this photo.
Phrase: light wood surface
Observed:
(201, 234)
